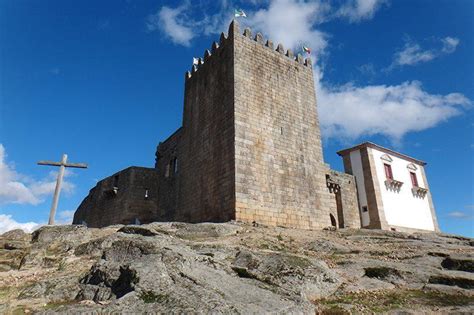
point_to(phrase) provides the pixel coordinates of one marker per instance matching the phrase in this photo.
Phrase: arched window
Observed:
(333, 220)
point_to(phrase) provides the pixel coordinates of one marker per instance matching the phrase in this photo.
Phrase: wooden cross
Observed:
(62, 166)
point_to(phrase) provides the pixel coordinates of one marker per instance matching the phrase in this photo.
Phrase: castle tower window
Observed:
(388, 171)
(168, 169)
(414, 180)
(175, 165)
(116, 180)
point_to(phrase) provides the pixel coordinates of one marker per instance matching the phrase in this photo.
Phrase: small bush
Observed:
(152, 297)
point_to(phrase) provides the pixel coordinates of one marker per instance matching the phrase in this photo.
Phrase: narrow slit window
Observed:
(365, 209)
(175, 165)
(168, 169)
(388, 171)
(116, 180)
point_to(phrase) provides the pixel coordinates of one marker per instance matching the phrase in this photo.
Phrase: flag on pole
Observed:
(239, 13)
(306, 50)
(195, 61)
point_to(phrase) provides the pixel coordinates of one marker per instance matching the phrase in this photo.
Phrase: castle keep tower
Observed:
(249, 148)
(250, 145)
(280, 176)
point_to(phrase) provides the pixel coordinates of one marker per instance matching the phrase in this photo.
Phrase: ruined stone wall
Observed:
(135, 197)
(280, 173)
(345, 193)
(206, 148)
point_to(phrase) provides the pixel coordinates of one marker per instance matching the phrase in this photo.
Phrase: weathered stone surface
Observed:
(236, 268)
(343, 187)
(279, 168)
(127, 197)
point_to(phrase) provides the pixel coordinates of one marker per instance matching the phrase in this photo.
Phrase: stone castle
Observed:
(249, 149)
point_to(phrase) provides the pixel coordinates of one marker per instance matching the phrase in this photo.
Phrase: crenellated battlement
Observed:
(234, 30)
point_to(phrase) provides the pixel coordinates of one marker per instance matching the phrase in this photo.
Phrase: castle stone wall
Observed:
(279, 168)
(135, 197)
(249, 148)
(347, 204)
(168, 164)
(206, 148)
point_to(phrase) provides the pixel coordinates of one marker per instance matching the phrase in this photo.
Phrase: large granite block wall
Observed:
(127, 197)
(206, 148)
(279, 168)
(343, 186)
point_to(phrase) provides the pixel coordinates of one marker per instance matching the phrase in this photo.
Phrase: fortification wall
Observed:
(206, 148)
(343, 187)
(249, 148)
(168, 166)
(280, 173)
(123, 198)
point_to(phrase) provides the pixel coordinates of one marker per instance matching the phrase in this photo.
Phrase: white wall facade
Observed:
(402, 208)
(357, 171)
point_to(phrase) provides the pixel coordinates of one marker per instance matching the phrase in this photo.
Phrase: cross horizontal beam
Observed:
(74, 165)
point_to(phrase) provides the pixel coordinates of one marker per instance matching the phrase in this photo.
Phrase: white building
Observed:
(392, 189)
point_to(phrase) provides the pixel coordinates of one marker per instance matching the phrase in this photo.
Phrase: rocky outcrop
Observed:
(233, 268)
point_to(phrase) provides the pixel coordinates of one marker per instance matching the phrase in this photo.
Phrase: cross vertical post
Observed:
(62, 167)
(57, 190)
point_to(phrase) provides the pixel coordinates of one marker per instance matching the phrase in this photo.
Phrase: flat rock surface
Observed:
(233, 268)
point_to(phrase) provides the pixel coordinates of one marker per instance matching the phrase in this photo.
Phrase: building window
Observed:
(116, 180)
(175, 165)
(414, 180)
(168, 169)
(388, 171)
(171, 167)
(365, 209)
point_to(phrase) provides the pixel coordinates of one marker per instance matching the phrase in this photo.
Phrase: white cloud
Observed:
(8, 224)
(358, 10)
(351, 112)
(66, 216)
(173, 23)
(412, 53)
(459, 215)
(449, 44)
(367, 69)
(19, 189)
(55, 71)
(181, 26)
(284, 15)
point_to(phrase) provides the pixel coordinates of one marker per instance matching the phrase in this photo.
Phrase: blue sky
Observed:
(103, 82)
